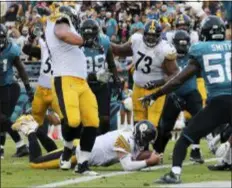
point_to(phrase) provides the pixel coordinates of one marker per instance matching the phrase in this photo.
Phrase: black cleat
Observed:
(220, 167)
(169, 178)
(21, 152)
(195, 156)
(2, 153)
(84, 169)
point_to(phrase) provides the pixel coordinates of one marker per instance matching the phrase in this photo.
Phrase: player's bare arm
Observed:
(111, 63)
(63, 32)
(122, 49)
(191, 69)
(23, 75)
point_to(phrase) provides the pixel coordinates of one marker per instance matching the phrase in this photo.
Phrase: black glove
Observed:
(148, 100)
(30, 92)
(150, 85)
(179, 102)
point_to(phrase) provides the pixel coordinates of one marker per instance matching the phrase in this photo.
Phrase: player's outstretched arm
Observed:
(122, 50)
(31, 50)
(191, 69)
(63, 32)
(111, 63)
(131, 165)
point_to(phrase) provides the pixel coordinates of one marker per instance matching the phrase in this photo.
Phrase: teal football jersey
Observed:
(190, 84)
(7, 57)
(214, 58)
(96, 59)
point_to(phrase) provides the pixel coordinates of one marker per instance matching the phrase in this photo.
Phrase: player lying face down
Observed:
(124, 146)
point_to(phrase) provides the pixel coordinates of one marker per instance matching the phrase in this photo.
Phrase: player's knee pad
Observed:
(88, 137)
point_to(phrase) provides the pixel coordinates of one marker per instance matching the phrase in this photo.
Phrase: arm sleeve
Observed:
(129, 165)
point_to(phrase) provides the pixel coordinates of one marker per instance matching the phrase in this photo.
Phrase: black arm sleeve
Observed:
(33, 51)
(110, 59)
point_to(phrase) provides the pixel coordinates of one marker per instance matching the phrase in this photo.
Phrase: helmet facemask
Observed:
(151, 39)
(182, 46)
(90, 35)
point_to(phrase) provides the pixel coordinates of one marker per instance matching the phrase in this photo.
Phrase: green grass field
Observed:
(17, 173)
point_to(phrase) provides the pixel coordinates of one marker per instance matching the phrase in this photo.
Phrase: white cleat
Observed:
(65, 165)
(25, 124)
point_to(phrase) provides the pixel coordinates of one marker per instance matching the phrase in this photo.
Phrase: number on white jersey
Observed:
(3, 65)
(95, 64)
(48, 69)
(223, 72)
(146, 66)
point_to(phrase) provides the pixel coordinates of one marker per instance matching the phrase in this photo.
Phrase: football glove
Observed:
(150, 85)
(147, 100)
(30, 92)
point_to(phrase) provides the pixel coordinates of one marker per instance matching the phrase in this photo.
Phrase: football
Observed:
(143, 155)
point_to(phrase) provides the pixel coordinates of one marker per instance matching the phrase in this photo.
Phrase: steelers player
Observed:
(100, 61)
(70, 89)
(125, 146)
(43, 94)
(154, 60)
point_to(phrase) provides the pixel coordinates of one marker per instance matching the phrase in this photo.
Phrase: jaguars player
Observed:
(184, 22)
(124, 146)
(187, 97)
(212, 56)
(100, 63)
(70, 90)
(10, 89)
(43, 93)
(154, 60)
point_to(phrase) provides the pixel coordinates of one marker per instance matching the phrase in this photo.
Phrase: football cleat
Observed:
(65, 165)
(220, 167)
(21, 151)
(169, 178)
(25, 124)
(195, 156)
(84, 169)
(2, 153)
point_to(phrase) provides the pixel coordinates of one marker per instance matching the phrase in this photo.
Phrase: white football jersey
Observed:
(46, 66)
(194, 37)
(67, 60)
(148, 61)
(105, 148)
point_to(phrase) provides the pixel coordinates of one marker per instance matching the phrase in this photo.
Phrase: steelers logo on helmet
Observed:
(183, 22)
(152, 33)
(3, 37)
(145, 132)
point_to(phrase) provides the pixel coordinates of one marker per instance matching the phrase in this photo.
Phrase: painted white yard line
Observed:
(111, 174)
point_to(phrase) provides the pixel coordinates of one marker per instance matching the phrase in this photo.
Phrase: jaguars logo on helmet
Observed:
(212, 28)
(145, 132)
(3, 37)
(152, 33)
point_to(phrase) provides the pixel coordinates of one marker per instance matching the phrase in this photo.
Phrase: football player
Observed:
(70, 90)
(187, 97)
(99, 60)
(153, 58)
(212, 56)
(10, 89)
(124, 146)
(43, 94)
